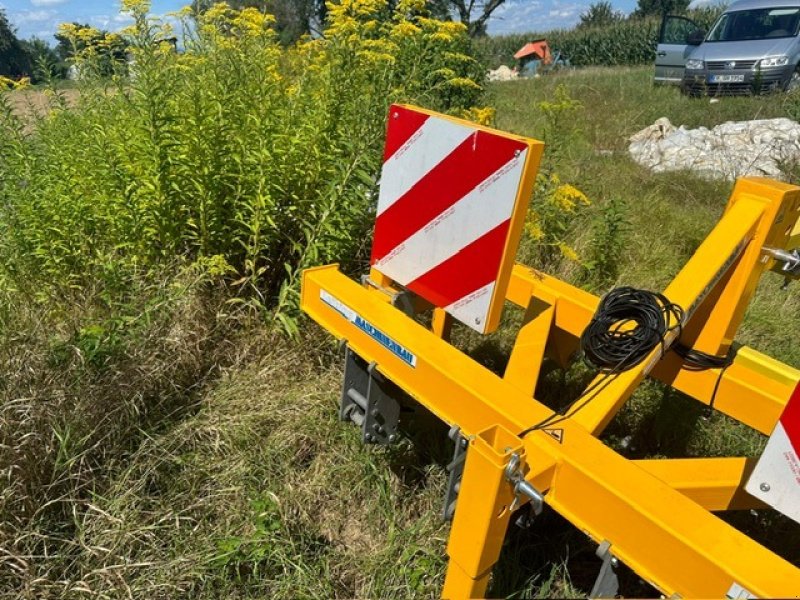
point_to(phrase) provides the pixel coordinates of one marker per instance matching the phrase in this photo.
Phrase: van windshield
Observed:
(757, 24)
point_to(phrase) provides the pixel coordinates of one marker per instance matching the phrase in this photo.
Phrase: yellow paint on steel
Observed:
(720, 316)
(700, 274)
(660, 533)
(445, 373)
(713, 483)
(769, 368)
(442, 323)
(522, 370)
(794, 239)
(753, 390)
(665, 537)
(480, 523)
(653, 513)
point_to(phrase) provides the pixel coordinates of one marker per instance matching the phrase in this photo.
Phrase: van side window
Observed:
(676, 30)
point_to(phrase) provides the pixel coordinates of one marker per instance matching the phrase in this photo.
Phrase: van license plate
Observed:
(726, 78)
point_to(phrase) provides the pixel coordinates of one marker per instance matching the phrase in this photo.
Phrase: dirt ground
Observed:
(35, 102)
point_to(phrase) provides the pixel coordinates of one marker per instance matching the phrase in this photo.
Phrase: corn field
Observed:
(629, 42)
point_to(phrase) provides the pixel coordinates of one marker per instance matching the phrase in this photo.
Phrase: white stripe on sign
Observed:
(472, 309)
(483, 209)
(435, 140)
(776, 478)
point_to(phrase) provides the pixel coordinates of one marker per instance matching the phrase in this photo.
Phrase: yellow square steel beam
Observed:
(720, 252)
(664, 536)
(714, 483)
(721, 314)
(753, 390)
(482, 513)
(526, 357)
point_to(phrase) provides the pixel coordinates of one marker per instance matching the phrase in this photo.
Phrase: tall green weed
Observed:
(237, 152)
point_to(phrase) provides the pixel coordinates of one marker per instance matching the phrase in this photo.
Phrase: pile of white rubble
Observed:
(502, 73)
(734, 149)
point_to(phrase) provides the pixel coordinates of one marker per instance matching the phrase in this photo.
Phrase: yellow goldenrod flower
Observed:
(568, 252)
(463, 82)
(135, 6)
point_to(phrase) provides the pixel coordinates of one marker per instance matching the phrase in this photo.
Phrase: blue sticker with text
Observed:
(376, 334)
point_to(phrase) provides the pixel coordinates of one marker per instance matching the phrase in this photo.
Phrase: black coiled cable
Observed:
(628, 324)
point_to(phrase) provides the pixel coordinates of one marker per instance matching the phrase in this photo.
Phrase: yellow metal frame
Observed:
(655, 514)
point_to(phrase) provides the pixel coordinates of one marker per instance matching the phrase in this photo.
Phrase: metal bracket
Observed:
(522, 487)
(790, 260)
(402, 300)
(607, 583)
(405, 302)
(455, 470)
(369, 400)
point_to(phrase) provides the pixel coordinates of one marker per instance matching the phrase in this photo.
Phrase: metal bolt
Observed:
(517, 153)
(392, 438)
(395, 115)
(375, 412)
(477, 321)
(376, 427)
(368, 437)
(507, 449)
(614, 562)
(764, 487)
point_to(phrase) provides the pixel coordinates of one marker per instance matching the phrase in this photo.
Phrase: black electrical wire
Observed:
(696, 360)
(628, 325)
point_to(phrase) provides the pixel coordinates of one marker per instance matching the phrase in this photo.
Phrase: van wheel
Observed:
(794, 81)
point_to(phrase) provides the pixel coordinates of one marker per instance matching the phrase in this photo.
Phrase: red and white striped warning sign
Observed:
(776, 478)
(450, 210)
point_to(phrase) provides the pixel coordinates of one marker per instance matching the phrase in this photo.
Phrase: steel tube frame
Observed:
(654, 514)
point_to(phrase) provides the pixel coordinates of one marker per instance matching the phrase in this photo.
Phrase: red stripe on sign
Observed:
(790, 419)
(468, 270)
(402, 125)
(470, 164)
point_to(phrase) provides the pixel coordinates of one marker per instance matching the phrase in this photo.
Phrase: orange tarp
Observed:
(537, 49)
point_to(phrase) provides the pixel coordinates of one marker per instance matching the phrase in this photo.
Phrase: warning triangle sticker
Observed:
(556, 434)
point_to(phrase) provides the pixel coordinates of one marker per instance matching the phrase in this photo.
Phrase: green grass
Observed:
(258, 491)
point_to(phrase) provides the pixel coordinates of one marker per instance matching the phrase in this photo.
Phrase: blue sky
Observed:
(41, 17)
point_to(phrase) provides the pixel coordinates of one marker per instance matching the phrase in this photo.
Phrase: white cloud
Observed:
(47, 2)
(100, 21)
(539, 16)
(31, 16)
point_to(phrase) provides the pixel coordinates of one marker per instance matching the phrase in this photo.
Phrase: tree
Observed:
(14, 61)
(600, 14)
(475, 15)
(43, 59)
(294, 18)
(646, 8)
(110, 47)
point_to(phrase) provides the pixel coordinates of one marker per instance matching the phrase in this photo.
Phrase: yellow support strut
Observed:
(654, 515)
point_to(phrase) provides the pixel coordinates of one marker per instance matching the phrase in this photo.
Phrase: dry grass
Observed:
(186, 452)
(76, 399)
